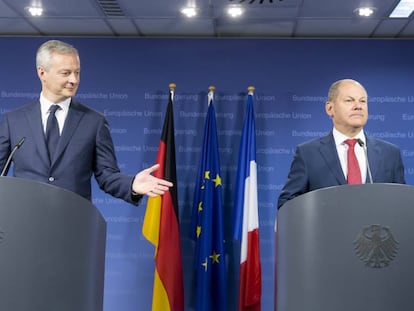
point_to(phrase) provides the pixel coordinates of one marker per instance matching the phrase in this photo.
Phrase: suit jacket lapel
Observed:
(374, 157)
(330, 155)
(34, 119)
(73, 118)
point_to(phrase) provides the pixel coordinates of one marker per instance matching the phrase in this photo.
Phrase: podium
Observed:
(52, 249)
(346, 248)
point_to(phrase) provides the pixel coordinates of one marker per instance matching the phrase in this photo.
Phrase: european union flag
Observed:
(207, 224)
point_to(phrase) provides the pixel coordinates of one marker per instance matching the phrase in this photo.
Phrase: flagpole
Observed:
(211, 90)
(245, 216)
(172, 87)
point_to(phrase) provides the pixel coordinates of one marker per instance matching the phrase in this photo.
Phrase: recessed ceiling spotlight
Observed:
(365, 11)
(35, 11)
(235, 11)
(189, 11)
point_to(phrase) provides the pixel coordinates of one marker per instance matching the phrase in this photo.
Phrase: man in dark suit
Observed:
(322, 162)
(85, 146)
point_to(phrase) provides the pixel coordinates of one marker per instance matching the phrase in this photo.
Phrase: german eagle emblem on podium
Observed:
(376, 246)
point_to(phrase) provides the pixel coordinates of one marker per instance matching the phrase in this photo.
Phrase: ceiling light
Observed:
(403, 9)
(189, 11)
(364, 11)
(235, 11)
(35, 11)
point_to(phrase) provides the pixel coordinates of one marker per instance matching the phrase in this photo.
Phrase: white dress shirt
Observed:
(60, 114)
(342, 149)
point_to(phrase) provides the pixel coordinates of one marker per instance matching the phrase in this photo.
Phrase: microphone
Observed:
(361, 143)
(7, 165)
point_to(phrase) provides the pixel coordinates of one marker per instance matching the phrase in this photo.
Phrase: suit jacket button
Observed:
(51, 179)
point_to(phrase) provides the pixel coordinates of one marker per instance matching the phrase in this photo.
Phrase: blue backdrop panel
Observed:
(127, 80)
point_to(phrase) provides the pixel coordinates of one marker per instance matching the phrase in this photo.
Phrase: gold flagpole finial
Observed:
(251, 89)
(210, 94)
(172, 86)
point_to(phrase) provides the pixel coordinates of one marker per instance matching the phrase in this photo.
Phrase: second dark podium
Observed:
(52, 249)
(347, 248)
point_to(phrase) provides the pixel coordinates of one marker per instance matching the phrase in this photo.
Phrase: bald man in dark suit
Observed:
(322, 162)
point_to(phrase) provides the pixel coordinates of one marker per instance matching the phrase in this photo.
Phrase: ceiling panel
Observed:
(123, 26)
(256, 28)
(9, 26)
(151, 8)
(176, 27)
(337, 9)
(6, 11)
(408, 31)
(72, 26)
(388, 28)
(336, 28)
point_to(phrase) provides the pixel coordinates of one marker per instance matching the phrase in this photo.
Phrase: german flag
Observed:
(161, 225)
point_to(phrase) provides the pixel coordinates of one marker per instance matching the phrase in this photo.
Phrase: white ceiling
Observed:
(162, 18)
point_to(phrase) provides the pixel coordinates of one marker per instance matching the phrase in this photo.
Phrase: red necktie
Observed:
(354, 173)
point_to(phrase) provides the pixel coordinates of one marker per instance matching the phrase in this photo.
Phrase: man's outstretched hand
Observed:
(146, 184)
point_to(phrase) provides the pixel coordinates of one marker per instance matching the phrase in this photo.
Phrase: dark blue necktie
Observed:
(52, 131)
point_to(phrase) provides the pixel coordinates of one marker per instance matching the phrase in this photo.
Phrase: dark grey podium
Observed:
(52, 249)
(346, 248)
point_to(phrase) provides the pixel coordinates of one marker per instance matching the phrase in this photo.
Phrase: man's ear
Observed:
(40, 72)
(329, 109)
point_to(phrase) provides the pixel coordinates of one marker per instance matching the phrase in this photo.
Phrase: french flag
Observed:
(245, 217)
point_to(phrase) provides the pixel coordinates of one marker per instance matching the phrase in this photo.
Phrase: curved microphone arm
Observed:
(7, 165)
